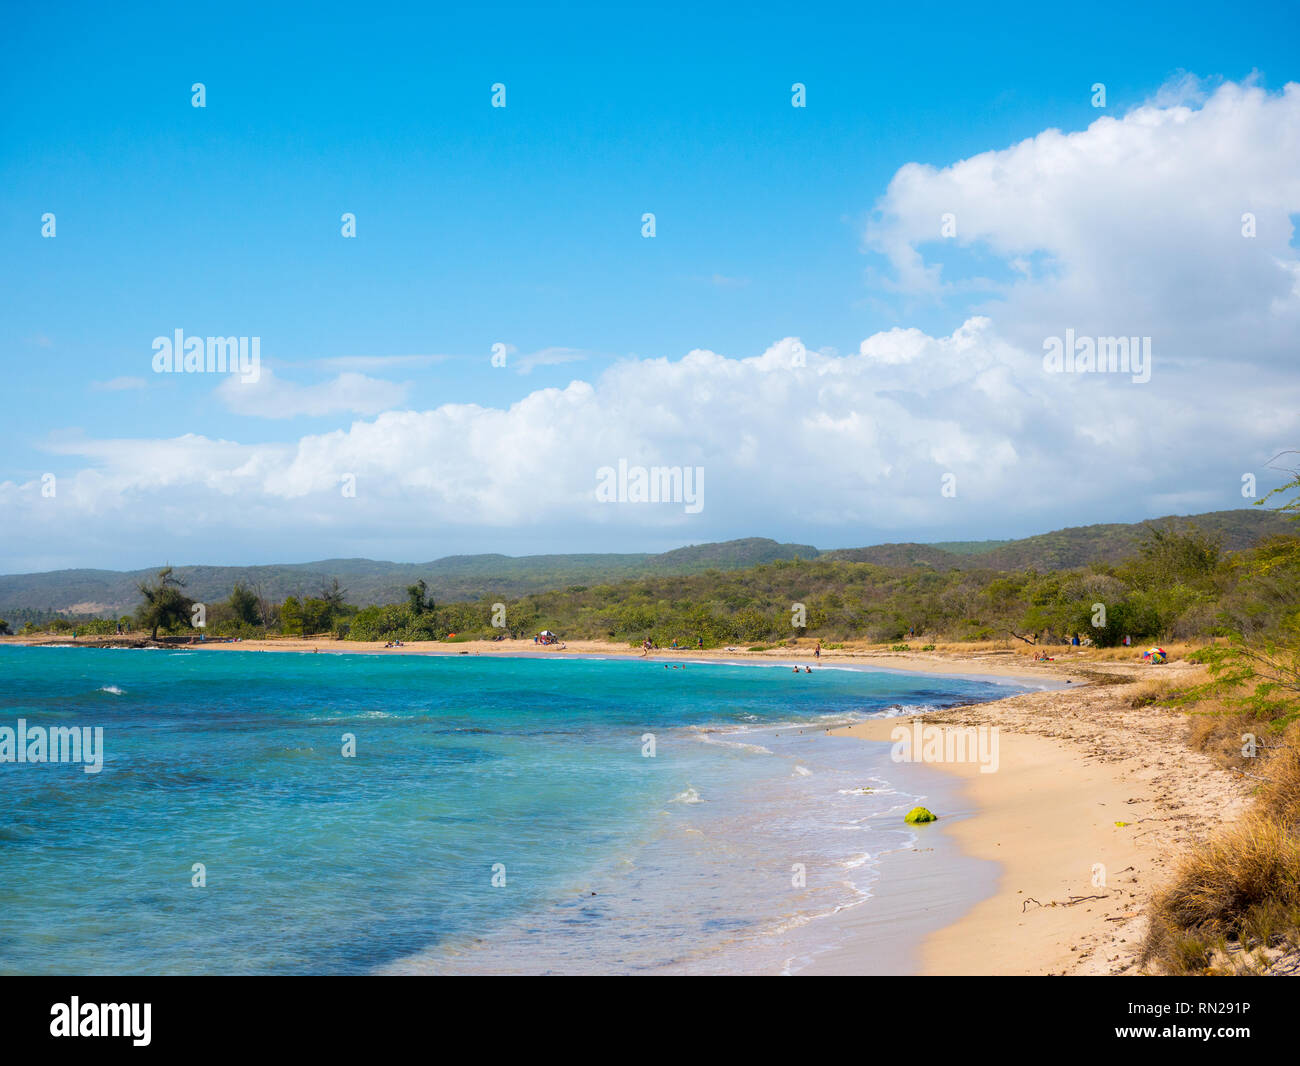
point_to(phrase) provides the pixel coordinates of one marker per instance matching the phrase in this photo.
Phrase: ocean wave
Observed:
(860, 895)
(112, 689)
(904, 710)
(757, 749)
(339, 718)
(708, 735)
(690, 795)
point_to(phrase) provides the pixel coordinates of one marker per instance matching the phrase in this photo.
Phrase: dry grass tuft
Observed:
(1156, 690)
(1235, 901)
(1280, 797)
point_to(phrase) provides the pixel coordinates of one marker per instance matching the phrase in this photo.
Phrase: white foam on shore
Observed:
(709, 736)
(906, 710)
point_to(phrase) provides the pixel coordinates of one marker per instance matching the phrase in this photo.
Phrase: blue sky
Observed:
(519, 225)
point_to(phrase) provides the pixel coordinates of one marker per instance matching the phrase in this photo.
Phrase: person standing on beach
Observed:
(817, 651)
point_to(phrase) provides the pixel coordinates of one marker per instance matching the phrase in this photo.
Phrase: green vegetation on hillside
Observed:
(1066, 549)
(84, 594)
(108, 593)
(1180, 582)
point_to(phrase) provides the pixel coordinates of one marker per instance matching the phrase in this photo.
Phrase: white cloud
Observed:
(848, 449)
(1130, 227)
(273, 397)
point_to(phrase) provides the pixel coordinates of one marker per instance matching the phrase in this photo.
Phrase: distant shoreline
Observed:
(1004, 663)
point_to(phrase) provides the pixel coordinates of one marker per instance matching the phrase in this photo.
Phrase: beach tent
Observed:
(546, 633)
(1155, 655)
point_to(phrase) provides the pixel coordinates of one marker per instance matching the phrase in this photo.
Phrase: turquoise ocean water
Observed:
(720, 852)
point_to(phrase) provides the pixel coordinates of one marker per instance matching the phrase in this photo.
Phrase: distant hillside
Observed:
(453, 578)
(471, 577)
(1066, 548)
(969, 547)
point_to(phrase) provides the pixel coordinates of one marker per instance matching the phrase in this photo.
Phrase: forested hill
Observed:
(1076, 546)
(469, 577)
(452, 578)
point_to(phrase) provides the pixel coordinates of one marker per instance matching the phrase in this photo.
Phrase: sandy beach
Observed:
(1011, 662)
(1090, 804)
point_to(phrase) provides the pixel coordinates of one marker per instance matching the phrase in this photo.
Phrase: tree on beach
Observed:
(265, 608)
(419, 604)
(165, 605)
(334, 594)
(1167, 556)
(291, 620)
(243, 606)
